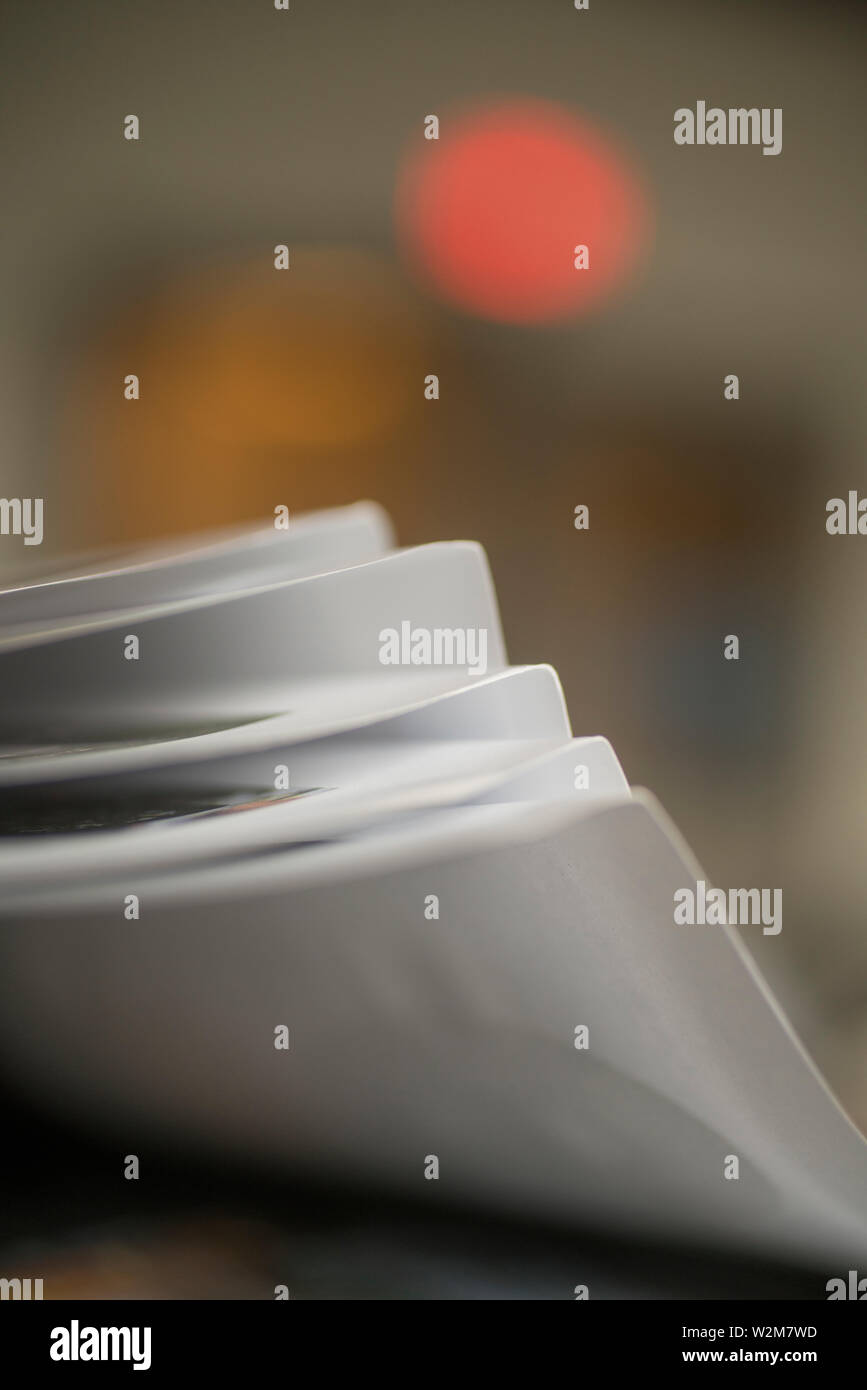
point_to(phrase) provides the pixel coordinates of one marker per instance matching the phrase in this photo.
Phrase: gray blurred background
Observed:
(707, 516)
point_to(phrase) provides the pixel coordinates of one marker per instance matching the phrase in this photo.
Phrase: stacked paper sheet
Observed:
(295, 864)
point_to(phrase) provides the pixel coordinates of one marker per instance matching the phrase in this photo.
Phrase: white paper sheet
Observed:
(250, 655)
(213, 563)
(453, 1036)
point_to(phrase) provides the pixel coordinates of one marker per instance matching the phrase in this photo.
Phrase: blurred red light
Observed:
(491, 213)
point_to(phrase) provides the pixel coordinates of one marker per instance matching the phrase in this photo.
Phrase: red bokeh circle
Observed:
(491, 212)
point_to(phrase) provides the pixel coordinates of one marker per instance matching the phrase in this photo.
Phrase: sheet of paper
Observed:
(218, 661)
(339, 786)
(452, 1033)
(516, 702)
(214, 563)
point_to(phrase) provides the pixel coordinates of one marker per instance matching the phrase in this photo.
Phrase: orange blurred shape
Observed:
(491, 213)
(248, 375)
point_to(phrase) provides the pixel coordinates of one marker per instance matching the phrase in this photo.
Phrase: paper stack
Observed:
(294, 864)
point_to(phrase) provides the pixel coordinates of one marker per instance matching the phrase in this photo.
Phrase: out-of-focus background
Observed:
(306, 387)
